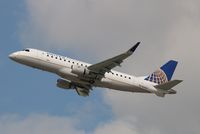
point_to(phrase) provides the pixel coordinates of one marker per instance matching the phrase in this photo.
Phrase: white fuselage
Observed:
(62, 66)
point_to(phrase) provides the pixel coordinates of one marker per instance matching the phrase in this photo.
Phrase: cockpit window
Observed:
(27, 50)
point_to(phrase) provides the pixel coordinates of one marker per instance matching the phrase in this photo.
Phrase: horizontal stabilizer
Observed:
(169, 85)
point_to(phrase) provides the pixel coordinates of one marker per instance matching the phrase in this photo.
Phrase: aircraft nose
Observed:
(13, 56)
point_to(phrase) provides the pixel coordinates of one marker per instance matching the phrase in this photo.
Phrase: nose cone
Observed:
(13, 56)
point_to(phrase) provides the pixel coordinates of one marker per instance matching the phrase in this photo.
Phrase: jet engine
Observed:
(68, 85)
(64, 84)
(79, 70)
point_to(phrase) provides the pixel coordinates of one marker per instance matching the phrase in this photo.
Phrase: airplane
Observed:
(83, 77)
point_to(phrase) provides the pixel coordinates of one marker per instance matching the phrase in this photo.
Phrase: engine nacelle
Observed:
(64, 84)
(79, 70)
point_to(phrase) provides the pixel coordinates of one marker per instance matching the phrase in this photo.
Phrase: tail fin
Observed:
(164, 74)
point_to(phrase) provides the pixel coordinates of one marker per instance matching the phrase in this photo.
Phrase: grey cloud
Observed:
(96, 25)
(177, 113)
(102, 28)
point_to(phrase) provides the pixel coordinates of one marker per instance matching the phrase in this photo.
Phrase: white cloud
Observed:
(37, 124)
(43, 123)
(117, 127)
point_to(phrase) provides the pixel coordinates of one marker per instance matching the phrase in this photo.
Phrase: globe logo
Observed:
(158, 77)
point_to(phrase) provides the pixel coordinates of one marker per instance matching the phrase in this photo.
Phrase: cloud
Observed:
(102, 28)
(44, 123)
(93, 26)
(37, 124)
(177, 113)
(117, 127)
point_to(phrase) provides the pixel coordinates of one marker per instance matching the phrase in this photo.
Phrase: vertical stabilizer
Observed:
(164, 73)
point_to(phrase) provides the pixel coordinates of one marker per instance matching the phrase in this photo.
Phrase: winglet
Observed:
(133, 48)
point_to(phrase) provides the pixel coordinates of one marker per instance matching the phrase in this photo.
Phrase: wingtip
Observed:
(134, 47)
(178, 81)
(138, 43)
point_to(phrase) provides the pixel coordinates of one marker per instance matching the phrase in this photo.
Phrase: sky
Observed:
(91, 31)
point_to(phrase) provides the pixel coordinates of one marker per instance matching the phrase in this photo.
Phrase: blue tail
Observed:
(164, 74)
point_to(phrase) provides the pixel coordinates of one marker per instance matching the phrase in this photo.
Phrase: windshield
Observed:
(27, 50)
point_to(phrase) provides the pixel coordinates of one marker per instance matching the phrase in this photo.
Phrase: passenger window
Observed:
(129, 77)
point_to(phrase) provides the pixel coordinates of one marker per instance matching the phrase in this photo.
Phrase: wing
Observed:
(107, 65)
